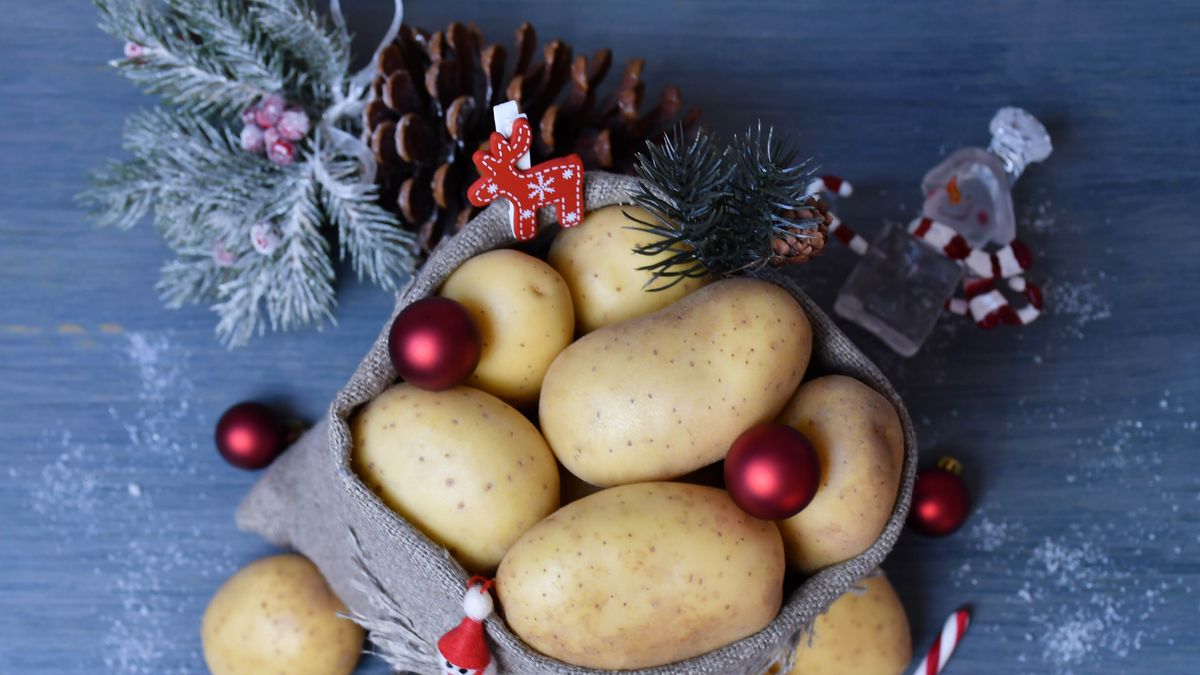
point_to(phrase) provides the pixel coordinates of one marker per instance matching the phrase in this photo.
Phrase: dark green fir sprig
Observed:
(721, 211)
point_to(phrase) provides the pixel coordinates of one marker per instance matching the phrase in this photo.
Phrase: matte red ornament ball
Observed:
(772, 471)
(940, 502)
(434, 344)
(249, 435)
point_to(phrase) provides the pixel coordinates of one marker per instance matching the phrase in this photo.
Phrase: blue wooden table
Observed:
(1078, 434)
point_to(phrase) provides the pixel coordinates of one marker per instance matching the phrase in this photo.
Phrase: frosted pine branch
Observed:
(239, 310)
(204, 57)
(303, 293)
(122, 193)
(194, 156)
(376, 244)
(210, 187)
(322, 47)
(231, 34)
(181, 165)
(294, 284)
(193, 277)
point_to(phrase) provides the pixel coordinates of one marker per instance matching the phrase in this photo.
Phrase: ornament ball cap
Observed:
(950, 465)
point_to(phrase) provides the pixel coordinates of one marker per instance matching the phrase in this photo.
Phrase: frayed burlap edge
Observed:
(310, 500)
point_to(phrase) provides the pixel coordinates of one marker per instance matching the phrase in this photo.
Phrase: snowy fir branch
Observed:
(204, 57)
(375, 246)
(247, 169)
(295, 280)
(299, 32)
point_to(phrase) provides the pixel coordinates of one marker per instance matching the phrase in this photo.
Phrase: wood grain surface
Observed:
(1078, 434)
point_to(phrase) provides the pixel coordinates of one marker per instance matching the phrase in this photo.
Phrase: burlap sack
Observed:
(390, 573)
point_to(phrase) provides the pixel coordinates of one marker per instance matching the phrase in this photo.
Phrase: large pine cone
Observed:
(431, 109)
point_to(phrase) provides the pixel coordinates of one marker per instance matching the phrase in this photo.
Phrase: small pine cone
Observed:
(431, 104)
(805, 242)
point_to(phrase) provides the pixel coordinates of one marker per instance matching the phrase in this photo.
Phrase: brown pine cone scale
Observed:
(431, 103)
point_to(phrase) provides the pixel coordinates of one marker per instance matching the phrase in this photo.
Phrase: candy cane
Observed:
(838, 228)
(832, 184)
(943, 647)
(843, 233)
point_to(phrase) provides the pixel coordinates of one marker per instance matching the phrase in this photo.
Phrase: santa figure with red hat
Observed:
(463, 650)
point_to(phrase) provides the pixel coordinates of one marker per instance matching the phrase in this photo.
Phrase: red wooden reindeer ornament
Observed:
(557, 182)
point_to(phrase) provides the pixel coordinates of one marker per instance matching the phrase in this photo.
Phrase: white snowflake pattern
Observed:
(541, 188)
(568, 173)
(492, 188)
(570, 218)
(526, 214)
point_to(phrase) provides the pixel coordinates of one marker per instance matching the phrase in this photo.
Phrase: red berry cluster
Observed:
(273, 127)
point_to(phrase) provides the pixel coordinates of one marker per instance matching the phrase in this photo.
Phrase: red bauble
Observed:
(434, 344)
(940, 502)
(772, 471)
(250, 435)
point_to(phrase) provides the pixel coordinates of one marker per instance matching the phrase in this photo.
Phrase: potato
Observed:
(598, 263)
(468, 470)
(277, 615)
(522, 308)
(857, 435)
(864, 632)
(641, 575)
(660, 396)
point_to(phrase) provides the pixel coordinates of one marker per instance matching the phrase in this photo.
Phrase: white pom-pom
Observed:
(477, 603)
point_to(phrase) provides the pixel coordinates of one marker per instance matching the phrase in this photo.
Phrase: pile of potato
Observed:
(572, 464)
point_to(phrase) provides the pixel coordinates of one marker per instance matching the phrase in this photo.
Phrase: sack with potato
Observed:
(579, 463)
